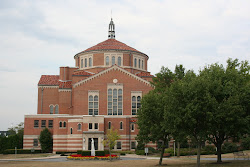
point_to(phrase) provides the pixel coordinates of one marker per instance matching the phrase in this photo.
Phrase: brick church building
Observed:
(103, 90)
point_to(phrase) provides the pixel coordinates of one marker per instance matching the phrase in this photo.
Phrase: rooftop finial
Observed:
(111, 34)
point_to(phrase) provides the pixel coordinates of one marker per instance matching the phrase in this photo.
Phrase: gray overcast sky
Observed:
(37, 37)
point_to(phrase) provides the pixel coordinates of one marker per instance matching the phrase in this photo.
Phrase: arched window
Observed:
(56, 109)
(51, 109)
(107, 61)
(71, 130)
(90, 62)
(113, 60)
(135, 62)
(133, 105)
(119, 61)
(139, 63)
(132, 127)
(86, 62)
(109, 126)
(121, 125)
(142, 64)
(81, 63)
(60, 124)
(64, 124)
(79, 126)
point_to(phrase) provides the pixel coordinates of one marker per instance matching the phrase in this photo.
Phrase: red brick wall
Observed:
(80, 95)
(50, 96)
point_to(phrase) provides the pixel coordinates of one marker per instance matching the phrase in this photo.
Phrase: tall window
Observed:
(36, 123)
(51, 109)
(90, 126)
(132, 127)
(114, 101)
(56, 109)
(96, 125)
(136, 104)
(107, 61)
(113, 60)
(85, 62)
(71, 131)
(139, 63)
(119, 61)
(35, 142)
(90, 62)
(142, 64)
(81, 63)
(133, 145)
(93, 104)
(135, 62)
(119, 145)
(121, 125)
(50, 123)
(64, 124)
(60, 124)
(79, 126)
(109, 125)
(43, 125)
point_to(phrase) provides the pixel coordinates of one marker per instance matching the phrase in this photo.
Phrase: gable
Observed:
(119, 71)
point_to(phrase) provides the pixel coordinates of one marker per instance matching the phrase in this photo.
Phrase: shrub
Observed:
(99, 153)
(140, 152)
(106, 152)
(245, 143)
(65, 152)
(79, 152)
(86, 153)
(229, 147)
(20, 151)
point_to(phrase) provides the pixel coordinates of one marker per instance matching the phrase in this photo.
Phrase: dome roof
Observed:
(111, 44)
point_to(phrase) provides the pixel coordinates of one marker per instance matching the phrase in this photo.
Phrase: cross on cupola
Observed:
(111, 30)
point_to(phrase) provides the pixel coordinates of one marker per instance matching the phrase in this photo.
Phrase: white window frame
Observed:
(93, 93)
(115, 86)
(136, 94)
(78, 127)
(142, 62)
(83, 64)
(110, 55)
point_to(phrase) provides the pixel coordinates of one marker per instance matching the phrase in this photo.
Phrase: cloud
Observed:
(37, 37)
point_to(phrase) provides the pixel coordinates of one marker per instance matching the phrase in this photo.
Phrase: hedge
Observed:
(21, 151)
(140, 152)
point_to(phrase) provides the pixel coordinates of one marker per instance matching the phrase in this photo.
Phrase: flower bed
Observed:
(80, 157)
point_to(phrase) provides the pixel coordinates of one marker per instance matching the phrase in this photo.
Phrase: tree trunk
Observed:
(110, 154)
(178, 149)
(162, 152)
(219, 153)
(199, 154)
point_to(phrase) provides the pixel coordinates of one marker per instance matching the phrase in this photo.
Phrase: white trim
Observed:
(114, 67)
(64, 90)
(48, 86)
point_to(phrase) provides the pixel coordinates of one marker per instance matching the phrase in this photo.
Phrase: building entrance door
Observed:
(95, 143)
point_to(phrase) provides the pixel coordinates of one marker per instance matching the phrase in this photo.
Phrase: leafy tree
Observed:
(186, 109)
(150, 117)
(228, 92)
(150, 120)
(112, 136)
(46, 140)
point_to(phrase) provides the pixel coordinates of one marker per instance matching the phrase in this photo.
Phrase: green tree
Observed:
(228, 92)
(46, 140)
(186, 109)
(110, 141)
(150, 121)
(150, 117)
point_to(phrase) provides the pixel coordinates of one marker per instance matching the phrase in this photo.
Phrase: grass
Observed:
(121, 163)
